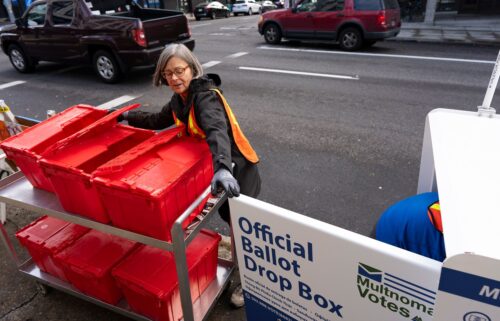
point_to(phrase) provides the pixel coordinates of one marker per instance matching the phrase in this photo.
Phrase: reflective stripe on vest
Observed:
(239, 138)
(434, 213)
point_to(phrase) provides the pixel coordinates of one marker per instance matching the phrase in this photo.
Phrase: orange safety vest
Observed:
(434, 213)
(239, 138)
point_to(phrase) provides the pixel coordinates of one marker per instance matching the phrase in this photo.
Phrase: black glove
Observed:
(120, 118)
(224, 178)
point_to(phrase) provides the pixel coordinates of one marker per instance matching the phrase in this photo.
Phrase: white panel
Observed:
(466, 150)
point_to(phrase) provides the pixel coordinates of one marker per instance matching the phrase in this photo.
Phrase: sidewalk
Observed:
(453, 28)
(448, 27)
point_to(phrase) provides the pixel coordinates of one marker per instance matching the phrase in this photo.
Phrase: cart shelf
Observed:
(17, 190)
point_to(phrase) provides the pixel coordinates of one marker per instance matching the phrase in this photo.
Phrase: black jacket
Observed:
(212, 119)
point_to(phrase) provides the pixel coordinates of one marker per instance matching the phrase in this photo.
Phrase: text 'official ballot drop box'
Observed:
(297, 268)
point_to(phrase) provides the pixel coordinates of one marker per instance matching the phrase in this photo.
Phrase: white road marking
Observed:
(238, 54)
(12, 84)
(302, 73)
(199, 25)
(380, 55)
(210, 64)
(227, 28)
(220, 34)
(117, 102)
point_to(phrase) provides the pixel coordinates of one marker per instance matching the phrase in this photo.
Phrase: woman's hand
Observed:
(224, 178)
(121, 117)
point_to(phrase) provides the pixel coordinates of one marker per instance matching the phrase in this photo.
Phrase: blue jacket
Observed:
(406, 225)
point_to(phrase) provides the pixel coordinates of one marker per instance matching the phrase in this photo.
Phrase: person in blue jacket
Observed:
(414, 224)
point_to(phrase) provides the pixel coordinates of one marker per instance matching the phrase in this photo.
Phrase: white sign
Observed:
(293, 267)
(463, 149)
(469, 289)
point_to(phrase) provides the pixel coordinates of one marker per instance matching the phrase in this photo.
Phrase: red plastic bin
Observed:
(148, 277)
(25, 148)
(46, 237)
(147, 188)
(69, 163)
(88, 263)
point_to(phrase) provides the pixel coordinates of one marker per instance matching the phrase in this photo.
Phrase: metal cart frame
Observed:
(16, 190)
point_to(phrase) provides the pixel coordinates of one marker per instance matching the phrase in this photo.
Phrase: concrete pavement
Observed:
(453, 28)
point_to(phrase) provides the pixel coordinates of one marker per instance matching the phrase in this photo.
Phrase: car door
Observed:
(63, 36)
(32, 34)
(254, 5)
(327, 17)
(298, 22)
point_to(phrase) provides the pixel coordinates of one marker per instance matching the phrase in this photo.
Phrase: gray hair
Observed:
(179, 51)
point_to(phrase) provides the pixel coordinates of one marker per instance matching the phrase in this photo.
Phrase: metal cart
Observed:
(16, 190)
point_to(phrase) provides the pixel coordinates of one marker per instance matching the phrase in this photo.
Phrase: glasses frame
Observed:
(179, 72)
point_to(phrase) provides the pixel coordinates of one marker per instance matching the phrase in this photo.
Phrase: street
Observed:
(339, 134)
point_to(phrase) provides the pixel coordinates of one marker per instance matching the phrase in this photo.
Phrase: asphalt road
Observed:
(339, 134)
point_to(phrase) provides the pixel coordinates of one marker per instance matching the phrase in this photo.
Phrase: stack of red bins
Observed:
(25, 148)
(69, 163)
(147, 188)
(88, 263)
(149, 280)
(45, 238)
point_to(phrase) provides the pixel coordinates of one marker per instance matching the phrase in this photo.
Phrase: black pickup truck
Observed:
(112, 35)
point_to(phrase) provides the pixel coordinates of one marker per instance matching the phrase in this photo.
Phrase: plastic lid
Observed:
(81, 151)
(70, 121)
(41, 230)
(155, 170)
(96, 252)
(98, 126)
(154, 269)
(65, 237)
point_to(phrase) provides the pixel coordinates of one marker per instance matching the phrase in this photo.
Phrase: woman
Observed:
(199, 105)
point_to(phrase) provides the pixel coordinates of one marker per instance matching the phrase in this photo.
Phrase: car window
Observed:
(329, 5)
(368, 5)
(240, 1)
(306, 5)
(36, 16)
(391, 4)
(62, 12)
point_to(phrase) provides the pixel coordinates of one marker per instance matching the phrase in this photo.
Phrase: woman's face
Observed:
(178, 75)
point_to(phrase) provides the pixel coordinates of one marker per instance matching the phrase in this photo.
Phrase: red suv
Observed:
(351, 23)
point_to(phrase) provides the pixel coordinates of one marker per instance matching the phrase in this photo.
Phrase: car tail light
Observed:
(381, 20)
(139, 36)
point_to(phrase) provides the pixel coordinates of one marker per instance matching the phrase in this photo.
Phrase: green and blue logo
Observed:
(395, 294)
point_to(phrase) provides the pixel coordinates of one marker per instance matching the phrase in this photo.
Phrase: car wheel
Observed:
(197, 18)
(227, 14)
(350, 39)
(19, 60)
(272, 34)
(212, 15)
(106, 66)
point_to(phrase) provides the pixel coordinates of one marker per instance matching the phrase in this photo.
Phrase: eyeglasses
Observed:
(179, 72)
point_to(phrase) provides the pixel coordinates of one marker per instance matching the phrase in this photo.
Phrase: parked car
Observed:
(247, 7)
(279, 3)
(351, 23)
(268, 6)
(211, 10)
(113, 36)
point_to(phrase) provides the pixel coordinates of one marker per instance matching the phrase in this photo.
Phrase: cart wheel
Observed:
(43, 289)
